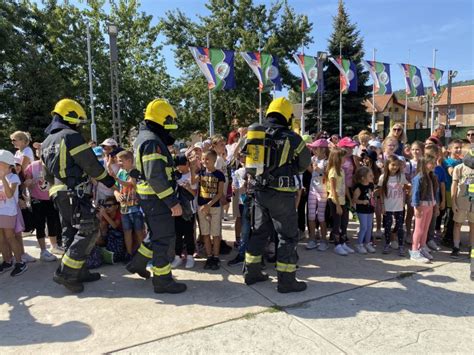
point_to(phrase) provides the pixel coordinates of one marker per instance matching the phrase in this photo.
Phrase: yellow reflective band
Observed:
(79, 149)
(284, 154)
(101, 176)
(252, 259)
(154, 156)
(160, 271)
(56, 188)
(166, 193)
(472, 255)
(169, 173)
(139, 160)
(285, 189)
(62, 159)
(145, 189)
(282, 267)
(147, 253)
(300, 147)
(70, 262)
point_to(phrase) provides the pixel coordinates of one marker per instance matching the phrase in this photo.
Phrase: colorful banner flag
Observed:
(380, 73)
(265, 67)
(435, 77)
(309, 72)
(413, 81)
(348, 74)
(217, 65)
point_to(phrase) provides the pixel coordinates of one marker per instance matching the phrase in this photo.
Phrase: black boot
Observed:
(253, 274)
(86, 276)
(138, 265)
(166, 284)
(287, 283)
(72, 284)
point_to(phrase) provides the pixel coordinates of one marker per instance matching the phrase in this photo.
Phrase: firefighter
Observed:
(69, 164)
(283, 156)
(157, 191)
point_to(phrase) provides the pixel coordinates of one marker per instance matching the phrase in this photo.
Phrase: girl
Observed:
(365, 207)
(416, 152)
(423, 200)
(337, 192)
(392, 193)
(349, 166)
(24, 153)
(8, 213)
(317, 196)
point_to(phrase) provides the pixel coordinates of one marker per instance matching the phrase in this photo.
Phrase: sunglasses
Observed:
(470, 134)
(109, 205)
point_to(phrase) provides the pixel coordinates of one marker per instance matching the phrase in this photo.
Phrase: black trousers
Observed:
(184, 235)
(44, 213)
(302, 212)
(338, 221)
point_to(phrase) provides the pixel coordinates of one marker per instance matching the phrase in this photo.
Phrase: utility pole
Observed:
(451, 74)
(91, 92)
(114, 84)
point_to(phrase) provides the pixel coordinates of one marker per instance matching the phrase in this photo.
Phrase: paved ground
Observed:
(354, 304)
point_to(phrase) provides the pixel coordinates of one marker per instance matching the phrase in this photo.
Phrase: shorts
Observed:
(212, 226)
(462, 216)
(7, 222)
(133, 221)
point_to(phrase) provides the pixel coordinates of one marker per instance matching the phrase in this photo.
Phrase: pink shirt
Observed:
(40, 188)
(348, 167)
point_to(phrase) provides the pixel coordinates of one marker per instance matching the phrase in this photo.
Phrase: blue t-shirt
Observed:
(209, 186)
(450, 163)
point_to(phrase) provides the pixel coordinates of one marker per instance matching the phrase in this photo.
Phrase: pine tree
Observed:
(345, 38)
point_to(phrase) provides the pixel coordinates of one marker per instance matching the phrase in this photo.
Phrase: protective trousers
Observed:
(274, 209)
(80, 229)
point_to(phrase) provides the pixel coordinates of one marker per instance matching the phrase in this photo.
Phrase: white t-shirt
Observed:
(103, 191)
(9, 206)
(27, 152)
(317, 177)
(186, 178)
(395, 198)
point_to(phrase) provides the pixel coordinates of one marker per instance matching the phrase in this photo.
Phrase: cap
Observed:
(375, 143)
(197, 145)
(319, 143)
(7, 157)
(180, 160)
(109, 142)
(346, 142)
(17, 161)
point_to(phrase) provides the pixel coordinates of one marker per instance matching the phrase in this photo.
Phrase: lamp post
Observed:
(91, 92)
(321, 57)
(451, 74)
(114, 83)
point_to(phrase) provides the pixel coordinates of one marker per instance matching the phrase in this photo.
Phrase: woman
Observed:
(398, 133)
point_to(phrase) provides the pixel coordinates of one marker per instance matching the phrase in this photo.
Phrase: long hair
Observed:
(386, 172)
(428, 181)
(335, 161)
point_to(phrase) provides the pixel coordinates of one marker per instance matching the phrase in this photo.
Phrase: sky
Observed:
(402, 31)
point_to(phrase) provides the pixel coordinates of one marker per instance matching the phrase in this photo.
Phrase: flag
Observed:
(435, 77)
(265, 67)
(348, 74)
(217, 65)
(413, 81)
(309, 72)
(380, 73)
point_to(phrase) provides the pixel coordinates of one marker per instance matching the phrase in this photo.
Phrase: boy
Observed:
(132, 217)
(455, 158)
(211, 189)
(462, 192)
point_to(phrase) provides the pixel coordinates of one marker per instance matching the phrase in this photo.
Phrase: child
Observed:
(9, 183)
(392, 193)
(211, 190)
(365, 207)
(416, 152)
(218, 145)
(337, 192)
(132, 218)
(462, 192)
(111, 231)
(424, 187)
(184, 225)
(317, 196)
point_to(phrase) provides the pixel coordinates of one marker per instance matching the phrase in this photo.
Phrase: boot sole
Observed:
(73, 289)
(144, 274)
(170, 291)
(290, 290)
(254, 281)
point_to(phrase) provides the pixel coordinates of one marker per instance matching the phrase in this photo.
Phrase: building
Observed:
(462, 102)
(388, 107)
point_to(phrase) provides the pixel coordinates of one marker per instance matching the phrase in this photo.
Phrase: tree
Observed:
(231, 25)
(355, 118)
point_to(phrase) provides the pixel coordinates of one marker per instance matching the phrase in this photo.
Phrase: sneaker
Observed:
(394, 244)
(19, 269)
(378, 234)
(348, 249)
(239, 259)
(311, 245)
(209, 261)
(432, 245)
(323, 246)
(455, 254)
(401, 251)
(361, 249)
(415, 255)
(426, 253)
(176, 262)
(386, 249)
(58, 250)
(5, 267)
(47, 256)
(216, 263)
(27, 258)
(370, 248)
(339, 250)
(189, 262)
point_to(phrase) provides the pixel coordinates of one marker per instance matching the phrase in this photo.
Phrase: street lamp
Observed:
(451, 74)
(321, 57)
(112, 30)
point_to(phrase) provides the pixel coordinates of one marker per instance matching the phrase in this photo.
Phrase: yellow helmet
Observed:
(162, 113)
(281, 106)
(70, 111)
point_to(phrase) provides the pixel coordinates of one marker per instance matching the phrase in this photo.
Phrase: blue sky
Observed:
(393, 27)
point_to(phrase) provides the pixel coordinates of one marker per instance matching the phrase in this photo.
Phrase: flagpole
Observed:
(211, 120)
(340, 94)
(432, 95)
(406, 101)
(260, 114)
(303, 123)
(373, 98)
